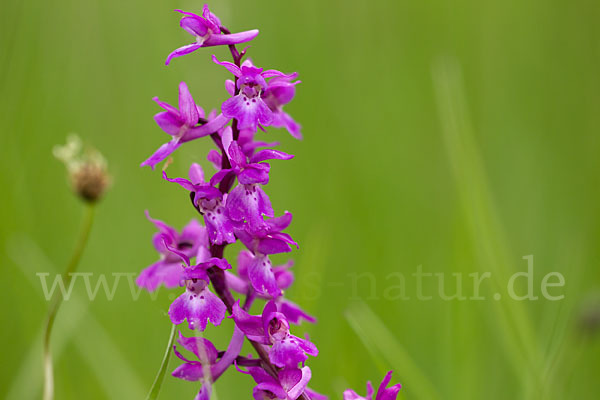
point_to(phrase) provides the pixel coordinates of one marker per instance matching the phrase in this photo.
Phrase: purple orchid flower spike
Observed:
(181, 124)
(272, 328)
(383, 393)
(247, 106)
(207, 31)
(280, 91)
(198, 304)
(209, 367)
(210, 202)
(174, 249)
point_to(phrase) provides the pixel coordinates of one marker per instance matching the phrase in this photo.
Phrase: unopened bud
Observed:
(86, 168)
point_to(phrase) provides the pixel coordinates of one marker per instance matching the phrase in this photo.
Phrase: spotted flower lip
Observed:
(248, 107)
(198, 304)
(207, 31)
(272, 328)
(383, 393)
(181, 124)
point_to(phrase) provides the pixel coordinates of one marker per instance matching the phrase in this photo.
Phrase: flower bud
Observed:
(86, 169)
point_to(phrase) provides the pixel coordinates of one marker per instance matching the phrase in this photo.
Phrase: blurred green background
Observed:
(460, 136)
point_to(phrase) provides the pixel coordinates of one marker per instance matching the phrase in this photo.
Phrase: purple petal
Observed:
(160, 273)
(196, 174)
(294, 313)
(163, 152)
(307, 346)
(270, 73)
(182, 51)
(287, 353)
(278, 224)
(167, 107)
(187, 107)
(214, 157)
(270, 154)
(233, 38)
(266, 391)
(219, 176)
(220, 229)
(236, 156)
(245, 258)
(198, 309)
(251, 325)
(202, 348)
(163, 228)
(211, 19)
(248, 112)
(272, 246)
(282, 119)
(234, 69)
(189, 372)
(390, 393)
(294, 381)
(230, 87)
(168, 122)
(204, 393)
(262, 278)
(249, 203)
(187, 185)
(211, 126)
(233, 350)
(255, 173)
(283, 275)
(192, 236)
(195, 25)
(235, 283)
(350, 394)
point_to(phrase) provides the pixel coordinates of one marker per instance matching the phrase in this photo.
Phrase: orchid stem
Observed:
(58, 299)
(155, 389)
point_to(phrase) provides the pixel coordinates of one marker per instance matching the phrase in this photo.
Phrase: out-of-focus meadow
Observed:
(457, 136)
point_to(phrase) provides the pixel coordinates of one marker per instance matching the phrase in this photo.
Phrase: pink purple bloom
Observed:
(383, 393)
(207, 31)
(210, 203)
(198, 304)
(175, 249)
(279, 92)
(247, 106)
(272, 328)
(290, 385)
(235, 207)
(181, 124)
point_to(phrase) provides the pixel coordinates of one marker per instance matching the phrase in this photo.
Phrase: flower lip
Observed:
(278, 329)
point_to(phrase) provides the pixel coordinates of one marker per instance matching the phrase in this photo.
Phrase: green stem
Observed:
(155, 389)
(58, 299)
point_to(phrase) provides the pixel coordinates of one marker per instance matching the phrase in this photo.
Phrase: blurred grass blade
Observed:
(487, 236)
(382, 345)
(90, 337)
(155, 389)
